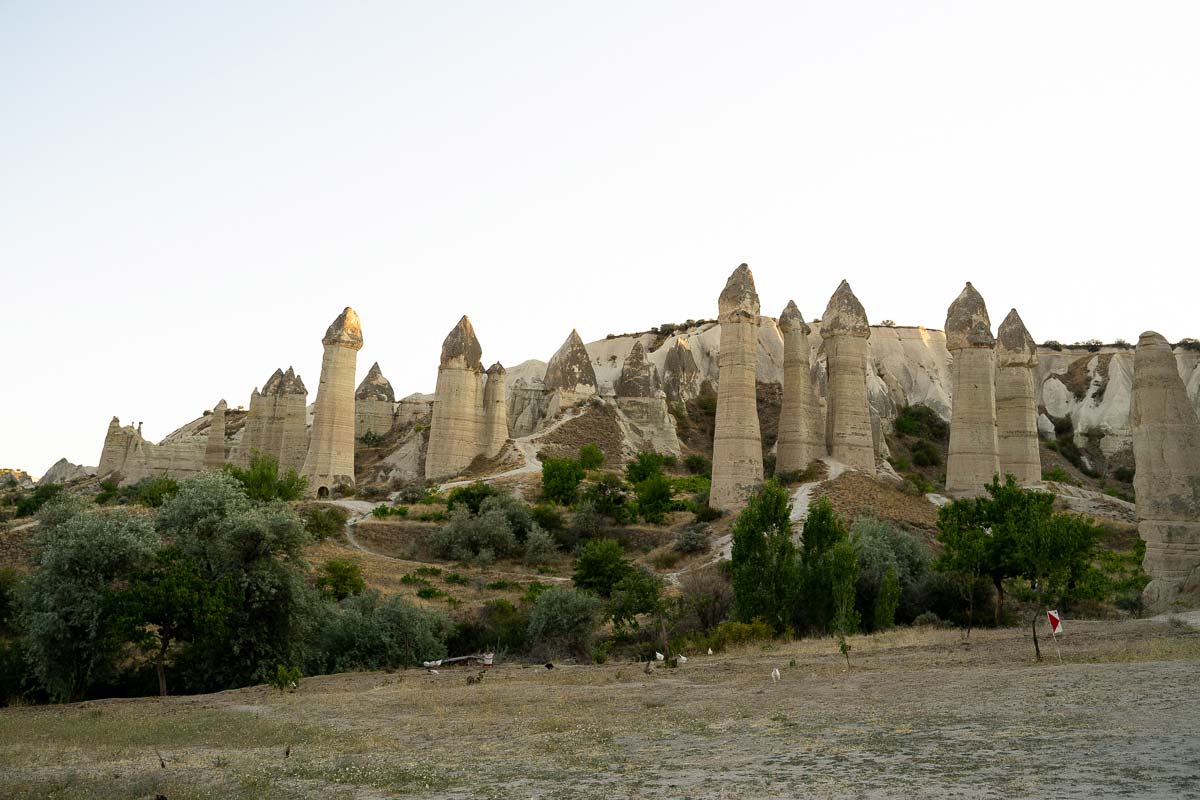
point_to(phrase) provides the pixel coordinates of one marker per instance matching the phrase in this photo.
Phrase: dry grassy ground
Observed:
(918, 714)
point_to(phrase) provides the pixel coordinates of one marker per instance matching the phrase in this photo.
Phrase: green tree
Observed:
(823, 531)
(886, 602)
(340, 578)
(644, 465)
(638, 592)
(262, 481)
(591, 457)
(372, 633)
(1054, 557)
(966, 550)
(766, 578)
(601, 564)
(654, 498)
(72, 638)
(560, 480)
(840, 564)
(609, 495)
(564, 620)
(169, 601)
(472, 496)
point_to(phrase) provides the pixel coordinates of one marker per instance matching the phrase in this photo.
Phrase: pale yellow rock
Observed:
(1016, 402)
(801, 429)
(848, 431)
(455, 431)
(495, 411)
(277, 424)
(330, 459)
(214, 450)
(128, 455)
(973, 458)
(1166, 449)
(737, 440)
(374, 404)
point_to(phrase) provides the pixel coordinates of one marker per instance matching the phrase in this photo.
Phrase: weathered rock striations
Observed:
(643, 415)
(737, 439)
(570, 378)
(972, 460)
(638, 376)
(455, 429)
(128, 455)
(64, 471)
(1016, 402)
(1166, 449)
(681, 375)
(330, 458)
(495, 411)
(214, 450)
(801, 429)
(277, 424)
(848, 431)
(374, 404)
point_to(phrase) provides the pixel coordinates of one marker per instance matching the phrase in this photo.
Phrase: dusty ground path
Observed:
(919, 714)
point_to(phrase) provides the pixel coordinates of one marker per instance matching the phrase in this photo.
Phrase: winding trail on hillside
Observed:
(527, 446)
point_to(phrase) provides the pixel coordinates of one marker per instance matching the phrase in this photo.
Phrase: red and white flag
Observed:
(1055, 622)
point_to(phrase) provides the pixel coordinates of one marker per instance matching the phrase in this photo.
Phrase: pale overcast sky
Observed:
(190, 193)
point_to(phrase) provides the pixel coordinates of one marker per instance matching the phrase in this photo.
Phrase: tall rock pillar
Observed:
(330, 458)
(973, 459)
(454, 431)
(214, 450)
(801, 435)
(1016, 405)
(495, 411)
(737, 440)
(1166, 453)
(844, 329)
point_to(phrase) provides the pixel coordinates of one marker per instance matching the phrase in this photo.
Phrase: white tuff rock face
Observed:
(61, 472)
(214, 450)
(849, 434)
(737, 439)
(277, 424)
(1016, 403)
(455, 430)
(973, 458)
(495, 411)
(330, 458)
(801, 429)
(1166, 446)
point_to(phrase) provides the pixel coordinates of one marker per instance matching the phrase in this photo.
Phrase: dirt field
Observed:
(919, 714)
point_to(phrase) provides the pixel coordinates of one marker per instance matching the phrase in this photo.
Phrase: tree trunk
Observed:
(999, 598)
(1037, 651)
(160, 665)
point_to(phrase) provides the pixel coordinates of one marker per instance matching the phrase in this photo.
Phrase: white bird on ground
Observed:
(659, 655)
(775, 675)
(710, 651)
(435, 672)
(683, 659)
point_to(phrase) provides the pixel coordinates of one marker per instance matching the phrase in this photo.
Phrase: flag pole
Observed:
(1054, 636)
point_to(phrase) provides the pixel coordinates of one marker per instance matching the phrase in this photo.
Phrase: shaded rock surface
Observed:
(737, 440)
(973, 457)
(849, 433)
(801, 435)
(330, 458)
(1016, 402)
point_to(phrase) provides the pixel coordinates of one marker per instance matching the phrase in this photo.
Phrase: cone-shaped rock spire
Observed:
(973, 458)
(1016, 403)
(330, 458)
(345, 330)
(571, 368)
(638, 377)
(801, 429)
(214, 450)
(374, 386)
(461, 348)
(1166, 452)
(737, 439)
(844, 328)
(458, 426)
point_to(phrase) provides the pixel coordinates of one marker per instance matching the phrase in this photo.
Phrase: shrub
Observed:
(472, 496)
(922, 422)
(261, 480)
(706, 598)
(286, 679)
(609, 496)
(1058, 475)
(644, 465)
(153, 492)
(765, 575)
(698, 465)
(323, 521)
(409, 491)
(666, 559)
(370, 633)
(693, 539)
(654, 498)
(600, 566)
(885, 551)
(481, 538)
(373, 491)
(1124, 474)
(385, 511)
(547, 516)
(429, 592)
(564, 620)
(370, 439)
(591, 457)
(28, 505)
(925, 453)
(516, 512)
(586, 523)
(498, 625)
(560, 480)
(927, 618)
(638, 592)
(733, 634)
(539, 546)
(886, 602)
(340, 578)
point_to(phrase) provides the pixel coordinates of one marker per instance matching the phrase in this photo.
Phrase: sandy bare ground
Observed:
(919, 714)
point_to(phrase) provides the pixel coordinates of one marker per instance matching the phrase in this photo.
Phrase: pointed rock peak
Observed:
(255, 393)
(1148, 339)
(375, 386)
(496, 369)
(844, 316)
(967, 323)
(274, 384)
(221, 407)
(292, 384)
(739, 296)
(681, 344)
(114, 423)
(345, 330)
(1012, 336)
(461, 348)
(638, 377)
(571, 366)
(791, 319)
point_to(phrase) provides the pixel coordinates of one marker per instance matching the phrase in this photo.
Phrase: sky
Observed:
(190, 193)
